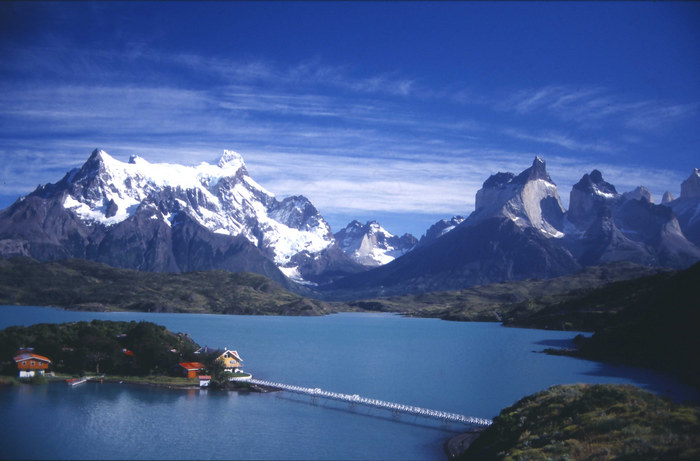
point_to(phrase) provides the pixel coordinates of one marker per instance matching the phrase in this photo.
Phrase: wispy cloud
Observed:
(353, 143)
(562, 140)
(595, 104)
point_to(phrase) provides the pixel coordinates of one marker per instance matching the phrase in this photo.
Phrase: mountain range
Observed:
(519, 230)
(173, 218)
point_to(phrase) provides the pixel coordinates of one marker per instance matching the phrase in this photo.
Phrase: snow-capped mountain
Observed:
(223, 198)
(105, 196)
(371, 245)
(165, 217)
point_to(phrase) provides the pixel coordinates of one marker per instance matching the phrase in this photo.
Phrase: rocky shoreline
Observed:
(458, 444)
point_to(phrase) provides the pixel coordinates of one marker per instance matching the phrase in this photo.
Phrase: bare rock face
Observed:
(639, 193)
(690, 188)
(529, 199)
(667, 198)
(603, 242)
(439, 229)
(687, 207)
(589, 197)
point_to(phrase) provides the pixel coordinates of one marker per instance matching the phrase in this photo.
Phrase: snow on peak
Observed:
(372, 245)
(230, 160)
(222, 198)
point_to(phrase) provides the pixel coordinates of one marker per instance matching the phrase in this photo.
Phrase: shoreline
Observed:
(166, 382)
(458, 444)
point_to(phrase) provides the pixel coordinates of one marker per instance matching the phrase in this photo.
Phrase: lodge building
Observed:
(30, 364)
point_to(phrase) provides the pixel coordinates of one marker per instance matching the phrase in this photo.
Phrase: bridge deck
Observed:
(395, 407)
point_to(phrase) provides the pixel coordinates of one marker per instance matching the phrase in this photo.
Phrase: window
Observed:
(32, 362)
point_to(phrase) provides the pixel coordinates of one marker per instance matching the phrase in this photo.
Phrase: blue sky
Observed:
(392, 111)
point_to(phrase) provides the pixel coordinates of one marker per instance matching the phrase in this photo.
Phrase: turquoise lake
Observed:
(475, 369)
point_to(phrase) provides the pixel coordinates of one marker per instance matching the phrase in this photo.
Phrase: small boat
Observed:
(76, 381)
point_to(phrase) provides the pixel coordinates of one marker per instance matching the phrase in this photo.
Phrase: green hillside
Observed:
(508, 301)
(591, 422)
(83, 285)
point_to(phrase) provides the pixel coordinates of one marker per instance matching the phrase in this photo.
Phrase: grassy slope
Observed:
(79, 284)
(505, 301)
(655, 325)
(591, 422)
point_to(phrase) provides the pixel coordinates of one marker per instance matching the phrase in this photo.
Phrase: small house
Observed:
(231, 360)
(192, 369)
(204, 380)
(30, 364)
(206, 350)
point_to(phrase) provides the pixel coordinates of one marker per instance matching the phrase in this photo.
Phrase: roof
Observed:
(31, 356)
(208, 350)
(204, 377)
(192, 365)
(234, 353)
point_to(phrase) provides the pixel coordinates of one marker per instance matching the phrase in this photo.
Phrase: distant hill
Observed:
(508, 301)
(84, 285)
(650, 322)
(591, 422)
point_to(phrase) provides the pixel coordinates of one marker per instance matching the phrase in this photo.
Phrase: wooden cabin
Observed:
(231, 360)
(30, 364)
(192, 369)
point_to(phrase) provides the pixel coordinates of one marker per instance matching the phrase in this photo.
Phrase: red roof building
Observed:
(30, 364)
(192, 368)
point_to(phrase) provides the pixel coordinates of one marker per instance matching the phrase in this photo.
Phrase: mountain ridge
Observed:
(171, 218)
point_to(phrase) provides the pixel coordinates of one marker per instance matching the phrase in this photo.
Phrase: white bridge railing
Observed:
(397, 408)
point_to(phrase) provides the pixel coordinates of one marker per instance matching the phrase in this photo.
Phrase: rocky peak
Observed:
(594, 183)
(498, 180)
(94, 164)
(639, 193)
(588, 198)
(538, 170)
(667, 198)
(440, 228)
(690, 188)
(529, 199)
(297, 212)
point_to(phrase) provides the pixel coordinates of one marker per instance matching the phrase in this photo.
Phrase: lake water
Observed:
(475, 369)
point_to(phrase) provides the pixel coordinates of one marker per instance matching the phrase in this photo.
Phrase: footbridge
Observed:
(396, 408)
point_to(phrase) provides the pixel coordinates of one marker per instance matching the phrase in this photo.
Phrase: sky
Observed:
(395, 112)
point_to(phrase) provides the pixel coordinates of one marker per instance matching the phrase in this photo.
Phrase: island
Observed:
(112, 351)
